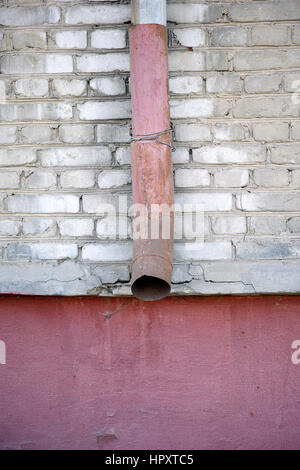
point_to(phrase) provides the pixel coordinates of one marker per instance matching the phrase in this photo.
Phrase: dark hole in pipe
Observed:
(150, 288)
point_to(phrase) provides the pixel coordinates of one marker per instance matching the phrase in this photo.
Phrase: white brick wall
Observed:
(65, 144)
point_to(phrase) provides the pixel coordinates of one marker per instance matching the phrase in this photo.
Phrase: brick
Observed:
(74, 134)
(267, 225)
(186, 85)
(109, 62)
(36, 134)
(9, 227)
(190, 37)
(209, 201)
(296, 130)
(229, 132)
(228, 36)
(230, 153)
(35, 111)
(180, 155)
(193, 13)
(113, 133)
(123, 156)
(77, 179)
(270, 35)
(271, 177)
(253, 107)
(293, 224)
(193, 61)
(98, 14)
(76, 227)
(8, 134)
(292, 84)
(193, 132)
(229, 83)
(229, 225)
(262, 83)
(108, 227)
(34, 87)
(9, 180)
(39, 227)
(285, 154)
(296, 34)
(205, 251)
(106, 252)
(295, 179)
(43, 203)
(17, 157)
(42, 251)
(70, 39)
(75, 156)
(267, 10)
(266, 59)
(191, 178)
(267, 250)
(232, 177)
(40, 179)
(180, 274)
(29, 16)
(37, 63)
(199, 107)
(112, 273)
(269, 201)
(108, 86)
(29, 39)
(101, 204)
(62, 87)
(114, 178)
(95, 110)
(108, 39)
(271, 131)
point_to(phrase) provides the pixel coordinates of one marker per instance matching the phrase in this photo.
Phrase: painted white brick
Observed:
(39, 227)
(180, 155)
(35, 111)
(193, 132)
(113, 133)
(30, 39)
(271, 131)
(42, 251)
(74, 134)
(77, 179)
(230, 153)
(205, 251)
(9, 179)
(42, 203)
(262, 83)
(107, 252)
(271, 177)
(98, 14)
(229, 225)
(267, 225)
(29, 15)
(199, 107)
(110, 62)
(193, 13)
(190, 178)
(94, 110)
(36, 134)
(37, 63)
(8, 134)
(228, 83)
(229, 132)
(75, 156)
(123, 156)
(269, 201)
(40, 179)
(193, 61)
(190, 37)
(9, 227)
(76, 227)
(232, 177)
(108, 39)
(17, 157)
(108, 86)
(285, 154)
(70, 39)
(186, 85)
(210, 201)
(268, 35)
(34, 87)
(62, 87)
(229, 36)
(114, 178)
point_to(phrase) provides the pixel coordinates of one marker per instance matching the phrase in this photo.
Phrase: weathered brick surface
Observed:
(65, 145)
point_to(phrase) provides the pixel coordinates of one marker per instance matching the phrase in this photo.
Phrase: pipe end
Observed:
(150, 288)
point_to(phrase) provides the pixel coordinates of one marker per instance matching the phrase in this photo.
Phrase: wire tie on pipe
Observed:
(155, 137)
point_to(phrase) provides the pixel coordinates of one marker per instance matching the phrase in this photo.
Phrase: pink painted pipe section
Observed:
(181, 373)
(152, 174)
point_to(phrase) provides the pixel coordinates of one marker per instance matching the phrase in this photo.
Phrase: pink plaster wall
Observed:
(182, 373)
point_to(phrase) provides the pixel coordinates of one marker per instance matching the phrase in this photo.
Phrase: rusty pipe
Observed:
(151, 155)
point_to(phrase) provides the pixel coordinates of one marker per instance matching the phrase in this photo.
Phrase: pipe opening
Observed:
(150, 288)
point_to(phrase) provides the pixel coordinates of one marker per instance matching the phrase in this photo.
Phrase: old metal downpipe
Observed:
(151, 154)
